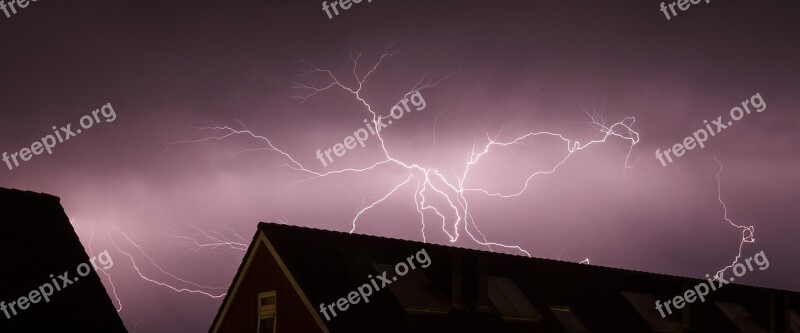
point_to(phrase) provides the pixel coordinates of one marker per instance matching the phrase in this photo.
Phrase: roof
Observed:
(37, 240)
(327, 265)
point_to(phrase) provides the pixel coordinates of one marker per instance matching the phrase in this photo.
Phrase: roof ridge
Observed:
(517, 256)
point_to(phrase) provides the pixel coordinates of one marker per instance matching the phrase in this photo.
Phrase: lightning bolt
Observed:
(213, 241)
(747, 231)
(428, 182)
(159, 283)
(101, 270)
(282, 220)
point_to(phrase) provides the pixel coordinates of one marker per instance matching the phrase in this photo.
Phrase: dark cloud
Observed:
(517, 66)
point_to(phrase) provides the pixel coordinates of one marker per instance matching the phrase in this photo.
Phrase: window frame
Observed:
(577, 322)
(508, 292)
(267, 311)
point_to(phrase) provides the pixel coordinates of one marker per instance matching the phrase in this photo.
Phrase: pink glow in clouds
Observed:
(493, 72)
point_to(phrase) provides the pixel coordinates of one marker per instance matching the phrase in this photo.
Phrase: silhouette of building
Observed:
(290, 273)
(37, 245)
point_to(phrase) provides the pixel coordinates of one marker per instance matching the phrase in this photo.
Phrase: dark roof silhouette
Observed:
(37, 240)
(482, 291)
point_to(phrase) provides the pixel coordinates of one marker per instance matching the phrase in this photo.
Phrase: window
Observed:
(740, 317)
(266, 312)
(415, 292)
(568, 319)
(509, 300)
(645, 305)
(266, 325)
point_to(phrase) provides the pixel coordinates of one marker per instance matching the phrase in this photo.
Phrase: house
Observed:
(297, 279)
(46, 281)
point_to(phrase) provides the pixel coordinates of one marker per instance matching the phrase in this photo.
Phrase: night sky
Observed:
(164, 173)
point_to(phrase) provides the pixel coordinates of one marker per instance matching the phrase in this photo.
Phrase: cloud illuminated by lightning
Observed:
(160, 283)
(747, 231)
(427, 182)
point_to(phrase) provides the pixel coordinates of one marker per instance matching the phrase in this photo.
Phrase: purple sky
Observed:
(168, 68)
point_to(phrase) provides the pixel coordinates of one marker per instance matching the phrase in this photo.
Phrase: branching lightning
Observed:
(213, 241)
(164, 284)
(427, 182)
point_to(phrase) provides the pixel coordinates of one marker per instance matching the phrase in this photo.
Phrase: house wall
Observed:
(264, 274)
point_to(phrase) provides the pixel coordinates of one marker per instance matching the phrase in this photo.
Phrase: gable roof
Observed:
(327, 265)
(259, 243)
(37, 242)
